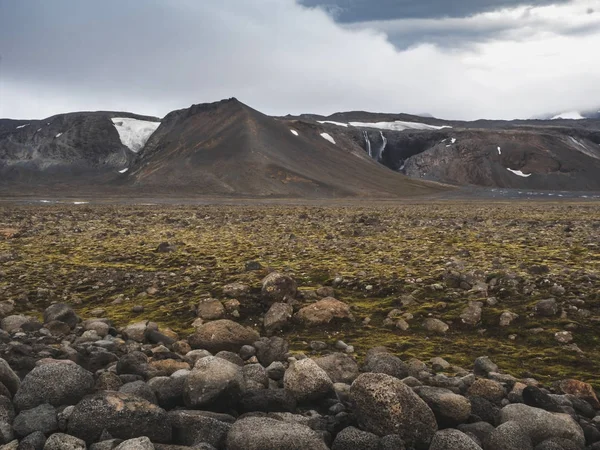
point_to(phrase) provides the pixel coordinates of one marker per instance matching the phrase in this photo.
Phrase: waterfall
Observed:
(383, 144)
(368, 143)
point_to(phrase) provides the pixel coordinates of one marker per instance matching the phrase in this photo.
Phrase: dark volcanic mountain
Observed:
(81, 147)
(558, 154)
(227, 148)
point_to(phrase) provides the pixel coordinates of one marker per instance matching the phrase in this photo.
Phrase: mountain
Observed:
(558, 154)
(218, 149)
(85, 147)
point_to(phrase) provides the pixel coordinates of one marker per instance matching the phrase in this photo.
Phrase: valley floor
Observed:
(422, 259)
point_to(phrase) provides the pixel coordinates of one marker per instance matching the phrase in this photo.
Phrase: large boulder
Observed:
(222, 335)
(262, 433)
(210, 309)
(213, 381)
(61, 312)
(450, 409)
(323, 312)
(435, 325)
(508, 436)
(489, 389)
(8, 377)
(193, 427)
(351, 438)
(277, 287)
(269, 350)
(541, 425)
(41, 418)
(385, 405)
(340, 367)
(277, 317)
(452, 440)
(61, 441)
(57, 383)
(306, 381)
(141, 443)
(577, 388)
(123, 416)
(380, 360)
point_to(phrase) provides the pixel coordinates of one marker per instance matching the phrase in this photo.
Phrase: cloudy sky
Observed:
(462, 59)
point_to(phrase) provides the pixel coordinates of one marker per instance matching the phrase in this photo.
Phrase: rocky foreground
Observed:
(73, 383)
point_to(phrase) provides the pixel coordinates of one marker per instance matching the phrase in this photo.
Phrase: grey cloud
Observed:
(154, 56)
(349, 11)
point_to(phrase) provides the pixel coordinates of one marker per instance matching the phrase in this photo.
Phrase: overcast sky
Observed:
(462, 59)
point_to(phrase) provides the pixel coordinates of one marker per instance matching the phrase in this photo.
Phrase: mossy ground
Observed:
(90, 256)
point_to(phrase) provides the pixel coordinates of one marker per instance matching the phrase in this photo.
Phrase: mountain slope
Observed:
(535, 154)
(227, 148)
(86, 147)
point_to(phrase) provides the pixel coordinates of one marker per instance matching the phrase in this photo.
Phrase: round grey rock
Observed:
(450, 409)
(306, 381)
(60, 441)
(340, 367)
(385, 405)
(54, 383)
(213, 381)
(540, 425)
(141, 443)
(262, 433)
(451, 439)
(123, 416)
(351, 438)
(508, 436)
(41, 418)
(8, 377)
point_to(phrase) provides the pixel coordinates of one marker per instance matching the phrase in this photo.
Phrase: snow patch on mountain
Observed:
(22, 126)
(398, 125)
(328, 137)
(340, 124)
(294, 132)
(572, 115)
(134, 133)
(519, 173)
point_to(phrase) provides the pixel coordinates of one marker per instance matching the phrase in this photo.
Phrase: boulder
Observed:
(41, 418)
(471, 315)
(139, 389)
(306, 381)
(268, 400)
(270, 350)
(379, 360)
(385, 405)
(489, 389)
(123, 416)
(57, 383)
(61, 312)
(10, 324)
(213, 381)
(579, 389)
(61, 441)
(452, 440)
(340, 367)
(277, 287)
(210, 309)
(435, 326)
(546, 308)
(222, 335)
(323, 312)
(277, 317)
(450, 409)
(262, 433)
(137, 331)
(141, 443)
(8, 377)
(236, 290)
(483, 366)
(193, 427)
(507, 317)
(541, 425)
(351, 438)
(508, 436)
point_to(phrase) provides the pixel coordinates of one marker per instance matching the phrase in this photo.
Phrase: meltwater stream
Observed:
(367, 143)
